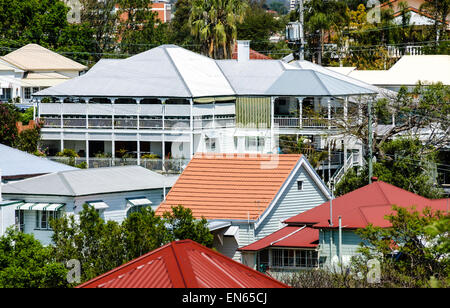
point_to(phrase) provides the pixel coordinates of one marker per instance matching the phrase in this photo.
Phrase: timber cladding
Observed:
(253, 112)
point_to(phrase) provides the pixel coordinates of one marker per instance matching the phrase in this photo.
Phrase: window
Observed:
(20, 221)
(254, 143)
(43, 219)
(27, 93)
(6, 94)
(277, 258)
(210, 144)
(291, 258)
(300, 185)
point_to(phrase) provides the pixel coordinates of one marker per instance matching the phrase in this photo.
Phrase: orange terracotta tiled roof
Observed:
(229, 186)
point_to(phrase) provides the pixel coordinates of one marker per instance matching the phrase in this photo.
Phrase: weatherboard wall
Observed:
(329, 246)
(292, 202)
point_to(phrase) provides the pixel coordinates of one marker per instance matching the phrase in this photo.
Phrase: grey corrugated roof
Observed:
(90, 181)
(14, 162)
(172, 71)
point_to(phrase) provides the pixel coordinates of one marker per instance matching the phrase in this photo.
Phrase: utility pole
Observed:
(302, 31)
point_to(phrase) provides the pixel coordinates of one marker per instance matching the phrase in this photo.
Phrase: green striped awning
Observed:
(30, 206)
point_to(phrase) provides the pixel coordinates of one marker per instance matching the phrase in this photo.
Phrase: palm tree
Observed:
(214, 24)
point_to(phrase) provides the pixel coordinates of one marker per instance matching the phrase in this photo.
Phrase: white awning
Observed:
(25, 206)
(31, 206)
(139, 201)
(39, 206)
(53, 207)
(98, 205)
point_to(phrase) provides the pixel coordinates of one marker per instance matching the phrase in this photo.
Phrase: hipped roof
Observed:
(366, 205)
(172, 71)
(16, 163)
(82, 182)
(183, 264)
(33, 57)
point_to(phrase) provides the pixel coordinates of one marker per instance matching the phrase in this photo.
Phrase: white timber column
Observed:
(272, 123)
(61, 119)
(300, 112)
(360, 113)
(87, 129)
(329, 113)
(113, 135)
(138, 135)
(163, 143)
(344, 138)
(191, 123)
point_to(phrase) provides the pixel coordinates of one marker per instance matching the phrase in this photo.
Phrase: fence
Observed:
(173, 165)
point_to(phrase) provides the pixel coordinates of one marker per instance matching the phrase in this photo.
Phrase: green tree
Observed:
(102, 246)
(439, 10)
(180, 28)
(138, 29)
(182, 225)
(26, 263)
(214, 25)
(100, 16)
(413, 252)
(9, 115)
(258, 26)
(404, 166)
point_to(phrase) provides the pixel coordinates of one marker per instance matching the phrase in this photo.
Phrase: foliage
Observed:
(100, 16)
(181, 225)
(27, 140)
(26, 263)
(258, 26)
(9, 114)
(289, 145)
(180, 28)
(416, 110)
(138, 28)
(101, 246)
(404, 166)
(40, 22)
(413, 252)
(214, 25)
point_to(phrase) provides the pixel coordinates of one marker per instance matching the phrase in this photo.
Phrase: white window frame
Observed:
(279, 253)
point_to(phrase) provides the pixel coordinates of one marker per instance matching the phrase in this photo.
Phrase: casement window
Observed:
(294, 258)
(27, 93)
(43, 219)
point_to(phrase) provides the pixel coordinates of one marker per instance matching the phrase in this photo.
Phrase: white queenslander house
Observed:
(172, 103)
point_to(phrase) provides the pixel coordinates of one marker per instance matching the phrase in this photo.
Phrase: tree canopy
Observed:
(101, 246)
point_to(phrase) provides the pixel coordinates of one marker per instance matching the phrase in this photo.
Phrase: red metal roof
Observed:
(230, 186)
(369, 204)
(183, 264)
(290, 236)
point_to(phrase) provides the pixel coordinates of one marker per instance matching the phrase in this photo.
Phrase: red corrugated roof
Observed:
(230, 186)
(369, 204)
(290, 236)
(183, 264)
